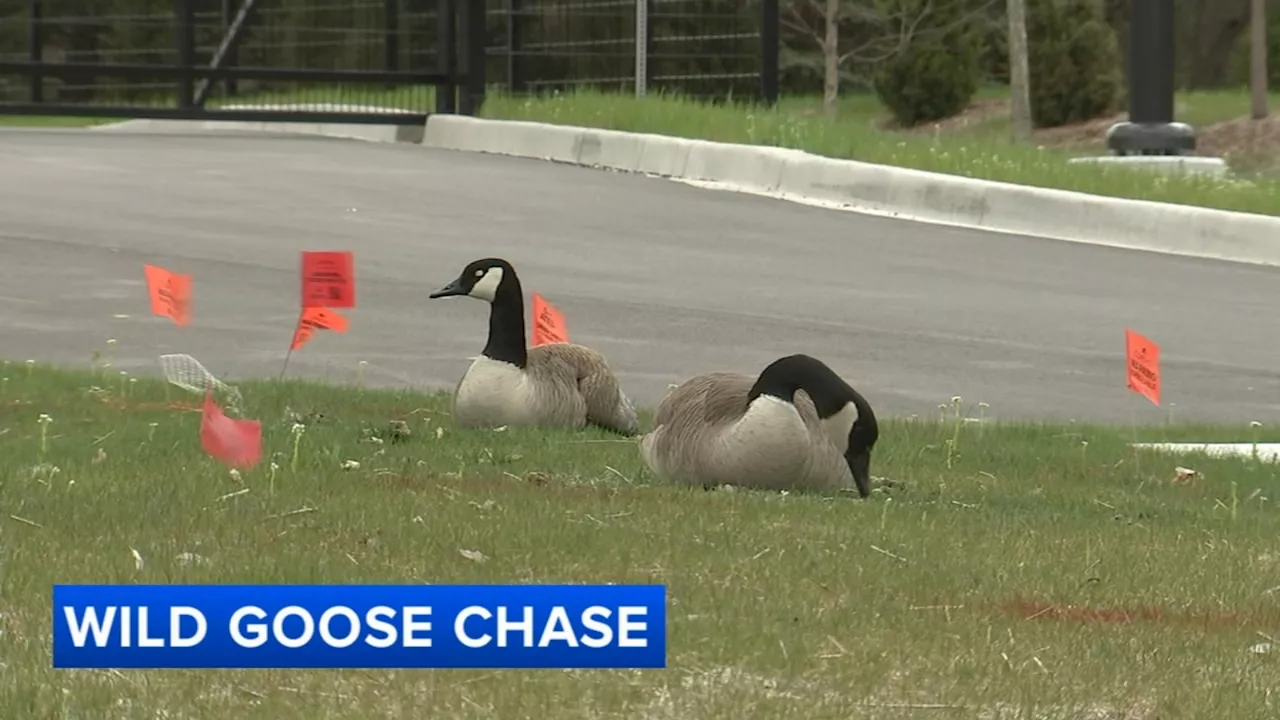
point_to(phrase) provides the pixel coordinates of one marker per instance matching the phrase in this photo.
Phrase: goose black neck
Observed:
(784, 376)
(506, 323)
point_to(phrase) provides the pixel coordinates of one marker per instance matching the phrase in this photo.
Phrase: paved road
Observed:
(666, 279)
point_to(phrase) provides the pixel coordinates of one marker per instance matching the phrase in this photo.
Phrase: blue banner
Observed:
(359, 626)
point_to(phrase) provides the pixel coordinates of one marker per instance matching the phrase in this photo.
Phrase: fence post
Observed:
(473, 41)
(515, 39)
(230, 83)
(35, 47)
(446, 56)
(642, 47)
(391, 34)
(185, 32)
(769, 48)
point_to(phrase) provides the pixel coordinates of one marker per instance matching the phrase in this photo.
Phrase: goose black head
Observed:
(845, 414)
(487, 279)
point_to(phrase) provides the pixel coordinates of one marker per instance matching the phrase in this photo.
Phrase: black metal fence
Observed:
(370, 61)
(376, 61)
(712, 49)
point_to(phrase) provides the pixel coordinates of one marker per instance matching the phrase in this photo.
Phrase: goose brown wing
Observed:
(587, 370)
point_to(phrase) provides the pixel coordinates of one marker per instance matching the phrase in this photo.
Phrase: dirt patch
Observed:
(1032, 610)
(1244, 143)
(978, 112)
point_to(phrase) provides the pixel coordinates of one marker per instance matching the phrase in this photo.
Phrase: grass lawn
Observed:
(988, 577)
(983, 151)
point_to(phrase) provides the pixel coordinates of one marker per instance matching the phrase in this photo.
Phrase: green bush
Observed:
(936, 76)
(1074, 62)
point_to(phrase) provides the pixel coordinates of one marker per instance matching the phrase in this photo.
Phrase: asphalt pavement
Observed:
(666, 279)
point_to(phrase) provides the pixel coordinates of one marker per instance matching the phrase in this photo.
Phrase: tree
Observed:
(869, 32)
(935, 76)
(1073, 60)
(1258, 58)
(1019, 74)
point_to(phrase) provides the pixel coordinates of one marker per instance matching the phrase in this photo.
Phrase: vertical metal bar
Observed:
(769, 51)
(447, 55)
(35, 47)
(1151, 59)
(185, 31)
(515, 38)
(391, 34)
(642, 47)
(473, 39)
(227, 13)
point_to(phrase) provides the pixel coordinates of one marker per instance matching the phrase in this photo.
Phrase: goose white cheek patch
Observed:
(486, 288)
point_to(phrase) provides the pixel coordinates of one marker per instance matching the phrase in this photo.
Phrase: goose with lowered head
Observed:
(797, 426)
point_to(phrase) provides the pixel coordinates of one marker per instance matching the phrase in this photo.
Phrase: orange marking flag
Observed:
(313, 319)
(328, 280)
(237, 443)
(548, 324)
(170, 294)
(1143, 359)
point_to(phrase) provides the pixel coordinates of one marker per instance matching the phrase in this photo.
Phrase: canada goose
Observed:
(798, 426)
(561, 385)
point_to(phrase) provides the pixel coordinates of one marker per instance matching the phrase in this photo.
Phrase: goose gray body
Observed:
(720, 428)
(561, 385)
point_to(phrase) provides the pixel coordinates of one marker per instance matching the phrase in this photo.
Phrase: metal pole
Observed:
(1151, 130)
(185, 31)
(770, 47)
(35, 48)
(642, 47)
(391, 35)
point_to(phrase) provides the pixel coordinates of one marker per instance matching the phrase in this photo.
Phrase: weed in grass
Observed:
(1026, 579)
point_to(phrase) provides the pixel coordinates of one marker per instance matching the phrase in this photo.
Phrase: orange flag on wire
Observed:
(170, 294)
(1143, 359)
(237, 443)
(548, 323)
(328, 279)
(313, 319)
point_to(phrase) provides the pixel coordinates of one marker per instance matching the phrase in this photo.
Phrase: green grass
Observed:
(780, 605)
(986, 155)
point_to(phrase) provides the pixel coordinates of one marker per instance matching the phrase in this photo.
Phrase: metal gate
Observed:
(341, 61)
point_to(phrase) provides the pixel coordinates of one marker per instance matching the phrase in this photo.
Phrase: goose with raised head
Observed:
(560, 385)
(797, 426)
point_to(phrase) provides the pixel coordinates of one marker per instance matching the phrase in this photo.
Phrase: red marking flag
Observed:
(170, 294)
(1143, 360)
(237, 443)
(313, 319)
(548, 323)
(328, 280)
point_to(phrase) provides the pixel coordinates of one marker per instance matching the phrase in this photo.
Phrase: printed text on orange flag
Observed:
(548, 323)
(1143, 359)
(328, 279)
(313, 319)
(170, 294)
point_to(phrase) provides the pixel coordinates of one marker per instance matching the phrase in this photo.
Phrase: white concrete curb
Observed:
(408, 133)
(880, 189)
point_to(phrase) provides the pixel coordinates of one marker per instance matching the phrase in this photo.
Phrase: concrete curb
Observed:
(408, 133)
(879, 189)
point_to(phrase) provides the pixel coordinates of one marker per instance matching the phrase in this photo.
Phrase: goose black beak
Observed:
(452, 289)
(860, 466)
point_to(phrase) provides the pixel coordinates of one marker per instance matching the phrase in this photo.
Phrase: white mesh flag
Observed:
(187, 373)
